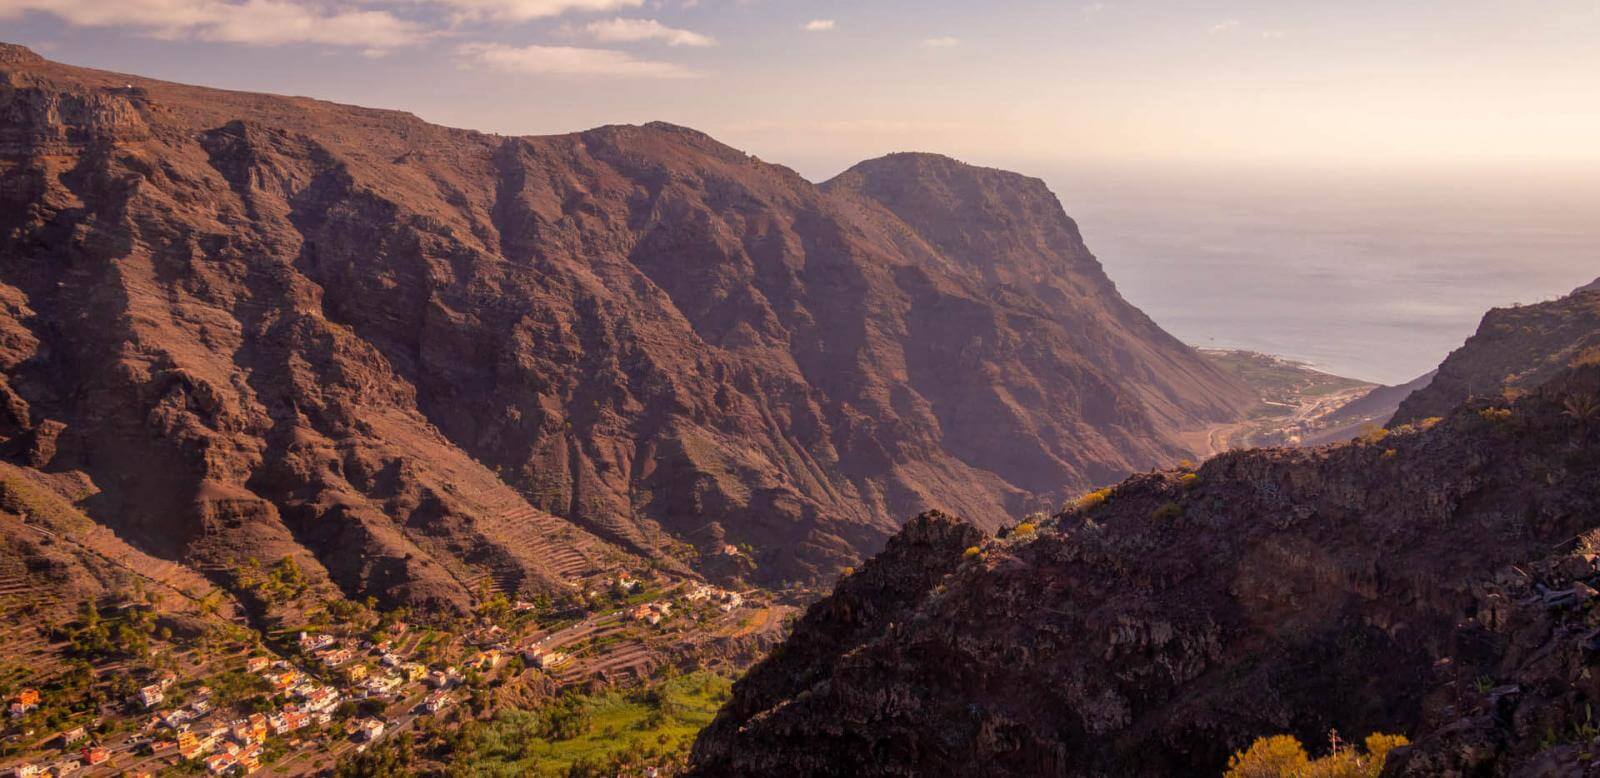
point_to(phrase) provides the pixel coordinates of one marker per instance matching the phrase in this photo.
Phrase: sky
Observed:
(819, 84)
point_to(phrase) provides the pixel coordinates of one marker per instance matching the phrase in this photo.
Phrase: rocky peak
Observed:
(13, 54)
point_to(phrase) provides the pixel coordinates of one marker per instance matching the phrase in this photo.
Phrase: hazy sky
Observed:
(817, 84)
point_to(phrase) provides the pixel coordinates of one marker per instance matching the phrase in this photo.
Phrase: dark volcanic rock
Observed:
(1437, 583)
(264, 324)
(1515, 349)
(887, 589)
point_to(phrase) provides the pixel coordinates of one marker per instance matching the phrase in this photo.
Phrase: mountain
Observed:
(1513, 350)
(424, 361)
(1437, 582)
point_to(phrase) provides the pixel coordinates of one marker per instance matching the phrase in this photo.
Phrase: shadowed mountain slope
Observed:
(1438, 582)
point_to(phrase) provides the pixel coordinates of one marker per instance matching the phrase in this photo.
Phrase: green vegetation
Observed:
(282, 582)
(1372, 434)
(1167, 512)
(1023, 529)
(971, 552)
(390, 759)
(1282, 756)
(1189, 480)
(126, 635)
(592, 734)
(239, 688)
(1280, 382)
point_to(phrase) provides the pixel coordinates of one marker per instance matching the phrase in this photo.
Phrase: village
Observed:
(301, 702)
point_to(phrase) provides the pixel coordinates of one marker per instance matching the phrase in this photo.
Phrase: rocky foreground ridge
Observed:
(427, 361)
(1438, 580)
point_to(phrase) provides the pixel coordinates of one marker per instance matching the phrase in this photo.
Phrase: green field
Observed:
(647, 725)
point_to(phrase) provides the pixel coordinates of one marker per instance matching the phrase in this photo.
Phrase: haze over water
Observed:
(1374, 275)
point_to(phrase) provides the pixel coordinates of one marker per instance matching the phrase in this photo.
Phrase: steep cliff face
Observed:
(1083, 378)
(429, 358)
(1437, 583)
(1513, 350)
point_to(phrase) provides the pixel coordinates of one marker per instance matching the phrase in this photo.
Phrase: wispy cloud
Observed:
(634, 30)
(1091, 9)
(567, 61)
(941, 42)
(819, 25)
(256, 22)
(1224, 26)
(1273, 34)
(527, 10)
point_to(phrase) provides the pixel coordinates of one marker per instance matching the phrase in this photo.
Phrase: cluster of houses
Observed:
(175, 718)
(725, 600)
(236, 747)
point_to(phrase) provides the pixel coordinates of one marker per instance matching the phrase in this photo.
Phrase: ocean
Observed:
(1364, 274)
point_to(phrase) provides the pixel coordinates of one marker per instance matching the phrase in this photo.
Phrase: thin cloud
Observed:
(1224, 26)
(634, 30)
(528, 10)
(567, 61)
(819, 25)
(254, 22)
(941, 42)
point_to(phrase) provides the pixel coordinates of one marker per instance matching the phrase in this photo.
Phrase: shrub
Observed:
(1495, 415)
(1093, 499)
(1189, 480)
(1282, 756)
(1372, 434)
(1279, 756)
(972, 551)
(1167, 512)
(1025, 528)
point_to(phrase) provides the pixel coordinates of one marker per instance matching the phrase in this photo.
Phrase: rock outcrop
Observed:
(429, 360)
(1513, 350)
(1438, 582)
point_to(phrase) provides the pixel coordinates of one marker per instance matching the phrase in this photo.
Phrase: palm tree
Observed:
(1581, 408)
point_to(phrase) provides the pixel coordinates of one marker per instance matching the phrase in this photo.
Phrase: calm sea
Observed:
(1366, 275)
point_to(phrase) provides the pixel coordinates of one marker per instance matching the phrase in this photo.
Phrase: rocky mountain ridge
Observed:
(429, 362)
(1514, 350)
(1437, 580)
